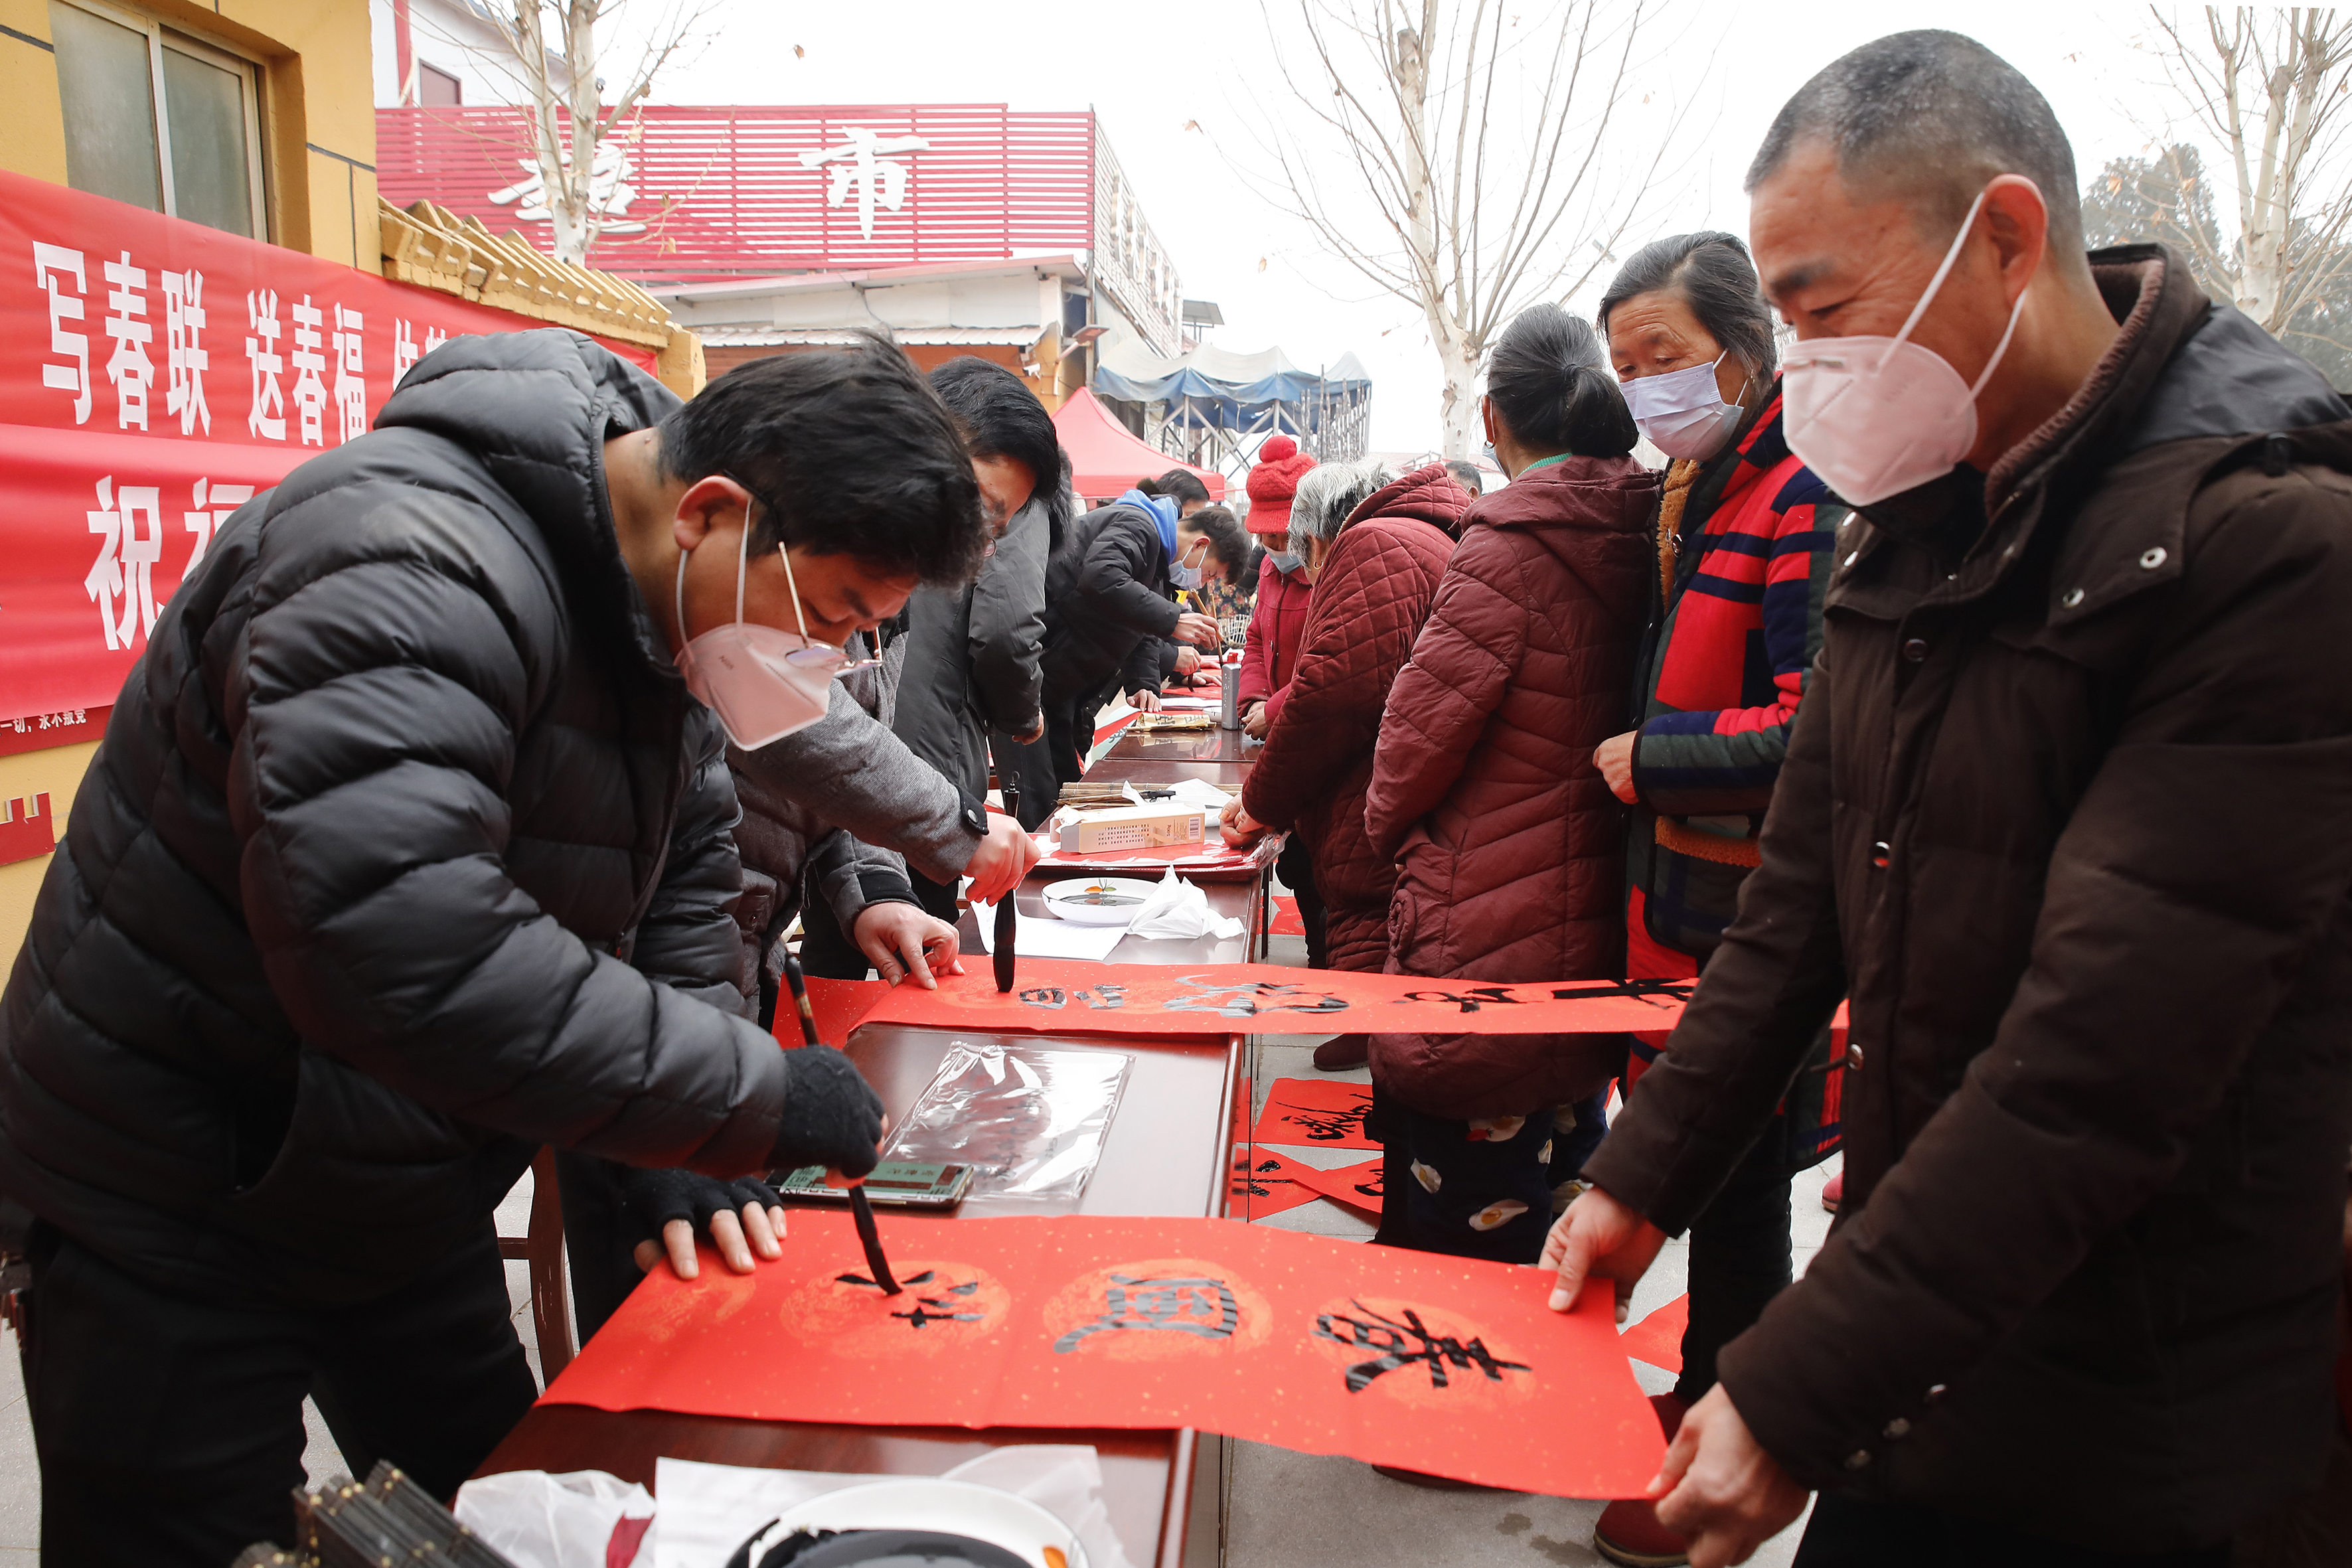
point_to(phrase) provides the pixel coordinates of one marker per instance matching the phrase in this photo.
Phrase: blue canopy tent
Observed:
(1212, 407)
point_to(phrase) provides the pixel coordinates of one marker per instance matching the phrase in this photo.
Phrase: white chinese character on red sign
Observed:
(351, 392)
(213, 504)
(185, 359)
(433, 338)
(404, 351)
(121, 581)
(50, 265)
(129, 368)
(309, 390)
(267, 418)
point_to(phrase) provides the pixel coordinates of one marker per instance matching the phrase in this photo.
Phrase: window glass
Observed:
(437, 89)
(105, 79)
(203, 107)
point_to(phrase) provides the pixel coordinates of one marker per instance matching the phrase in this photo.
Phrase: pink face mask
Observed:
(1874, 416)
(764, 684)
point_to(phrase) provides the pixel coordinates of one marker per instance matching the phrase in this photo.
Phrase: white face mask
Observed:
(1874, 416)
(1682, 411)
(764, 684)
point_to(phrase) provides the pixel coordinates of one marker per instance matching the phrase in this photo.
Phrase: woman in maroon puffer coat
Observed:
(1509, 846)
(1376, 566)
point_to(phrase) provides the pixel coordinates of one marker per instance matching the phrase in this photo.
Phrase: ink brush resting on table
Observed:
(861, 1207)
(1008, 919)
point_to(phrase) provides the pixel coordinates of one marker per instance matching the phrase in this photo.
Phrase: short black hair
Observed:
(1002, 418)
(1710, 272)
(1465, 474)
(1550, 383)
(1228, 541)
(847, 451)
(1182, 485)
(1936, 115)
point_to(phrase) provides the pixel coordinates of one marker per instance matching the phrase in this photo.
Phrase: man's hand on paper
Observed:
(1143, 700)
(1719, 1488)
(742, 1218)
(906, 944)
(1599, 1238)
(1004, 857)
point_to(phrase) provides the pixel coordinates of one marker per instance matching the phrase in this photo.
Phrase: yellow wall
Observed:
(319, 151)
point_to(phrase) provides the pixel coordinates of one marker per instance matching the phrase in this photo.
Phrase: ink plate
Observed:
(1098, 900)
(949, 1507)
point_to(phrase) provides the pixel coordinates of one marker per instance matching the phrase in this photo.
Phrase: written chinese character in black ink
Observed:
(929, 1308)
(1203, 1307)
(1250, 998)
(1404, 1344)
(1323, 1126)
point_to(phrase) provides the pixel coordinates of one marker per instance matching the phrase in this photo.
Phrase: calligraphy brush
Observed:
(1008, 919)
(861, 1207)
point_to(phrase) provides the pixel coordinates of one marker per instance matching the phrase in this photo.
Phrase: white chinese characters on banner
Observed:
(609, 191)
(350, 391)
(185, 359)
(129, 367)
(51, 263)
(309, 388)
(121, 581)
(213, 504)
(859, 165)
(267, 418)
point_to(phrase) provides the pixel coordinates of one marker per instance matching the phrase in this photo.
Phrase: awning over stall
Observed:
(1106, 458)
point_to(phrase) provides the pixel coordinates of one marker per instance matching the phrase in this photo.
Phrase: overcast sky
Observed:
(1147, 69)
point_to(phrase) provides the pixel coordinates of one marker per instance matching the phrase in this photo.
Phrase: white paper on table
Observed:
(708, 1510)
(538, 1520)
(1179, 910)
(1176, 704)
(1040, 936)
(1199, 793)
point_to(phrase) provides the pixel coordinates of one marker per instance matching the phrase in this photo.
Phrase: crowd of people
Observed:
(1970, 665)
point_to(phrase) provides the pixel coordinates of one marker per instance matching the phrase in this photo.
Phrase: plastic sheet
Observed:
(1030, 1123)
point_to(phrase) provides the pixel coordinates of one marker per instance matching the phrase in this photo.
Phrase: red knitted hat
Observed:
(1272, 484)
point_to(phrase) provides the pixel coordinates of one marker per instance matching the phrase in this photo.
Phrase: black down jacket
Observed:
(405, 852)
(1107, 604)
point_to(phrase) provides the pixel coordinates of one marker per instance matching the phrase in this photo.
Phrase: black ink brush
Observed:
(861, 1207)
(1008, 917)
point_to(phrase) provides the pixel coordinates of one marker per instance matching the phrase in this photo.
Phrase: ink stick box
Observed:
(1114, 829)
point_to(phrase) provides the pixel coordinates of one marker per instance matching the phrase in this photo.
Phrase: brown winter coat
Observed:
(1370, 601)
(2068, 810)
(1510, 847)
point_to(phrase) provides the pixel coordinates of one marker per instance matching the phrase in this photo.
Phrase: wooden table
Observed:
(1164, 1155)
(1179, 746)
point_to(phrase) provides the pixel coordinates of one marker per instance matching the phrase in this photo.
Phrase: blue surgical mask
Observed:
(1486, 450)
(1180, 575)
(1285, 561)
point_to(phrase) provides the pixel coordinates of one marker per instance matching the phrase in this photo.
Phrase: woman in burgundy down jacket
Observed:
(1377, 559)
(1510, 848)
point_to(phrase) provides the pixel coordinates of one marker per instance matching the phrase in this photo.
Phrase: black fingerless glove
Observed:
(654, 1198)
(831, 1117)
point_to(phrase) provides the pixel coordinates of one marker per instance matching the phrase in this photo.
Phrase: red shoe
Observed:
(1342, 1053)
(1629, 1532)
(1833, 1191)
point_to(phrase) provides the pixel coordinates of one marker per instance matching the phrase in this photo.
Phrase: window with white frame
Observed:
(199, 158)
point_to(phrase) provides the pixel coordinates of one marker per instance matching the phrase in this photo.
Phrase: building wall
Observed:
(318, 158)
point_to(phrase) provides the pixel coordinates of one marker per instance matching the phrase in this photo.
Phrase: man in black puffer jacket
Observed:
(407, 851)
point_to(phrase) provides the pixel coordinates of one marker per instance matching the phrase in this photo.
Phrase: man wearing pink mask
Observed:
(2068, 814)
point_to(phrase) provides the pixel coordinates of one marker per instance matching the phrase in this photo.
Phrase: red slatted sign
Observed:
(691, 189)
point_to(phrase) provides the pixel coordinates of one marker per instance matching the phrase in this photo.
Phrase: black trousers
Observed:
(1298, 874)
(1740, 1258)
(825, 948)
(169, 1429)
(1030, 768)
(1850, 1532)
(937, 899)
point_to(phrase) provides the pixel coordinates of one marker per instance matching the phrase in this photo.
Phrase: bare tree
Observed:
(2273, 87)
(577, 134)
(1486, 139)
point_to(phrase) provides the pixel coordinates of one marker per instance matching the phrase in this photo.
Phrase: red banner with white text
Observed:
(155, 375)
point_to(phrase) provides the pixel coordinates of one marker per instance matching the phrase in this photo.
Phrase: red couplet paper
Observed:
(840, 1006)
(1444, 1364)
(1358, 1186)
(1260, 1183)
(1658, 1337)
(1073, 997)
(1287, 921)
(1326, 1113)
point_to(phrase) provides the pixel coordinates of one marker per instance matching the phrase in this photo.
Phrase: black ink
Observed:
(1048, 996)
(928, 1307)
(1396, 1343)
(1470, 1000)
(1202, 1307)
(1108, 997)
(1325, 1126)
(1250, 998)
(1649, 991)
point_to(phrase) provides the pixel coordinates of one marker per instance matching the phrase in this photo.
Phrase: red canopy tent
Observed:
(1106, 458)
